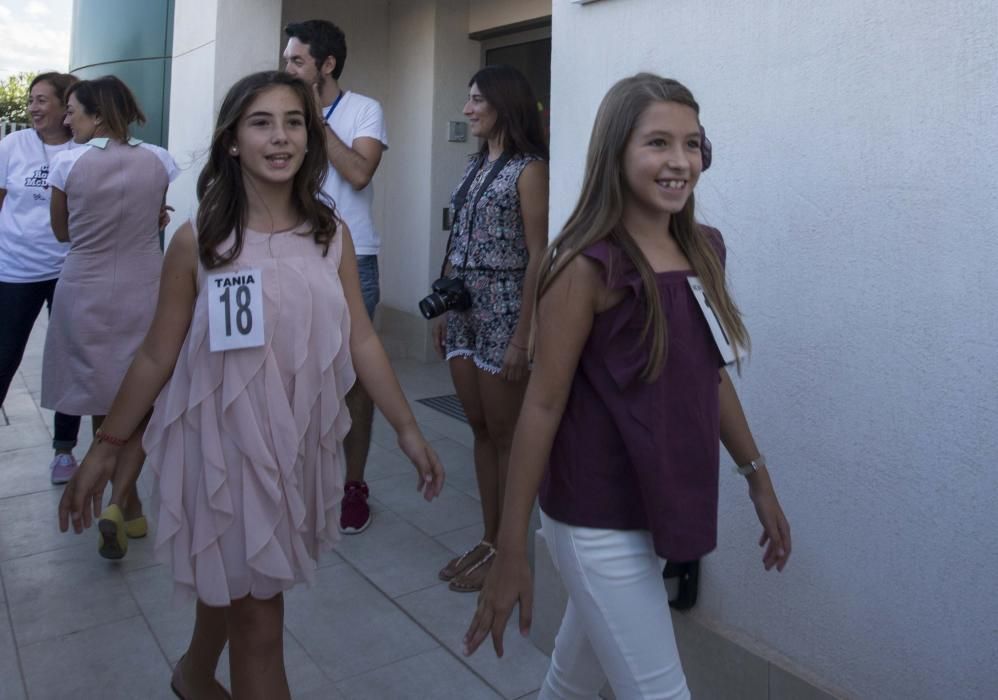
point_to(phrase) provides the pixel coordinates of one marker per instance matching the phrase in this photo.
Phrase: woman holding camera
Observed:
(498, 236)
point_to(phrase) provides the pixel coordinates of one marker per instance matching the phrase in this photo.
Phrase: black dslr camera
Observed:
(449, 294)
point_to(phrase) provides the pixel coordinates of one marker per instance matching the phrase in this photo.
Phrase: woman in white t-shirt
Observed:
(30, 256)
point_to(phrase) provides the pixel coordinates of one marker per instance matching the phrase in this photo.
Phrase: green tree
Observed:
(14, 97)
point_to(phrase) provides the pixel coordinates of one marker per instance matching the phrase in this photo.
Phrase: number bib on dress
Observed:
(728, 352)
(235, 310)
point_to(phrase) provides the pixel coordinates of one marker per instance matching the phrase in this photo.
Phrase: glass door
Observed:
(530, 53)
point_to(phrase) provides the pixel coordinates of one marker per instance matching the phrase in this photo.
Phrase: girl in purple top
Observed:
(625, 405)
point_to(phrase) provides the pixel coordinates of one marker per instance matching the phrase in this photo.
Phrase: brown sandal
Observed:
(458, 565)
(466, 582)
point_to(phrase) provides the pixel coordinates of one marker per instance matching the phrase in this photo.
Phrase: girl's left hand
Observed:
(775, 527)
(514, 363)
(164, 216)
(419, 452)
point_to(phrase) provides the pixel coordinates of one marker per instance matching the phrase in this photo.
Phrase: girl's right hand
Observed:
(775, 526)
(439, 331)
(509, 582)
(83, 496)
(431, 471)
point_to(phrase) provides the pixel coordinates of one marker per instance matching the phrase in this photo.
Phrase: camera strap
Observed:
(462, 197)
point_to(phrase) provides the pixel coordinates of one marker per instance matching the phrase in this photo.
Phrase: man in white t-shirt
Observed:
(355, 140)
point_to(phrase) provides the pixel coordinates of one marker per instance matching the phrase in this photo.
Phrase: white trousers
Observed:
(617, 625)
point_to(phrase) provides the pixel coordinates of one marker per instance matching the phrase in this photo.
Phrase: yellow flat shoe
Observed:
(113, 543)
(137, 528)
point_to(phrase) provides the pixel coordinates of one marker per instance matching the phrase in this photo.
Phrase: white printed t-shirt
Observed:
(29, 251)
(356, 116)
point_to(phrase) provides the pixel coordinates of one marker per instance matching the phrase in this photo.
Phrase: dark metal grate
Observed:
(448, 404)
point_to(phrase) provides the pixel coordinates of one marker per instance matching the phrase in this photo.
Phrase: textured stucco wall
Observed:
(855, 184)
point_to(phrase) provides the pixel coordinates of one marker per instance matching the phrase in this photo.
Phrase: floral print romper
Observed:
(496, 265)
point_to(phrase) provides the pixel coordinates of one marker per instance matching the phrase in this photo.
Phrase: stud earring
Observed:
(234, 151)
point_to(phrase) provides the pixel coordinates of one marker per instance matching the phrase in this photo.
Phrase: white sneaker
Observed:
(63, 467)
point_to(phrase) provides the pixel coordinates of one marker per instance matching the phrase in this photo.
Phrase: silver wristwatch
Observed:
(751, 467)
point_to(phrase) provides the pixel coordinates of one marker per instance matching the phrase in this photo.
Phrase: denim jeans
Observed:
(20, 304)
(370, 289)
(617, 625)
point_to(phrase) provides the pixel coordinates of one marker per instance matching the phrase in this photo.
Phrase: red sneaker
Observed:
(356, 514)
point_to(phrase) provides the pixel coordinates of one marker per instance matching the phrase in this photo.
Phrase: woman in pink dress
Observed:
(106, 201)
(259, 330)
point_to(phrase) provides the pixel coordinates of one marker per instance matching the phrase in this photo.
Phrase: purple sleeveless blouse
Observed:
(630, 455)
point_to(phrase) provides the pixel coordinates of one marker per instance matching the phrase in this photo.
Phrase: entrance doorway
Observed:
(530, 53)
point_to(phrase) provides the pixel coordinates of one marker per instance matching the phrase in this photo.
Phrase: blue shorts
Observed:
(367, 266)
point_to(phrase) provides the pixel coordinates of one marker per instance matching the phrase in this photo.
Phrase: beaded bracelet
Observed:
(109, 439)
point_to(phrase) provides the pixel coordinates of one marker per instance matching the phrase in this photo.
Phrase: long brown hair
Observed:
(110, 99)
(222, 198)
(599, 213)
(518, 118)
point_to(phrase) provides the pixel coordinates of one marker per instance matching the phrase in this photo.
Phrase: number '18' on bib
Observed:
(235, 310)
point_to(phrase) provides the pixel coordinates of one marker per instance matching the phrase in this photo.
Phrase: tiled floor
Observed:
(377, 624)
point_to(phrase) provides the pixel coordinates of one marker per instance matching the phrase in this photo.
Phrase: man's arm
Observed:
(356, 163)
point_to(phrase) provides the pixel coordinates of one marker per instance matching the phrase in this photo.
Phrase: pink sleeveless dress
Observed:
(246, 445)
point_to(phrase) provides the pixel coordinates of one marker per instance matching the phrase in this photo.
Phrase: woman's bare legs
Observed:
(465, 377)
(194, 676)
(492, 406)
(256, 649)
(501, 400)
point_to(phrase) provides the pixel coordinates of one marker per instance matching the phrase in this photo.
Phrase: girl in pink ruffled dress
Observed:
(259, 329)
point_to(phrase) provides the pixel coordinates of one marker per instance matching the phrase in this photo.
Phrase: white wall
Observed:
(855, 184)
(192, 106)
(405, 252)
(208, 57)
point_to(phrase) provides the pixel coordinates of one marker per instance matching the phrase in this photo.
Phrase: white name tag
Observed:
(235, 310)
(728, 352)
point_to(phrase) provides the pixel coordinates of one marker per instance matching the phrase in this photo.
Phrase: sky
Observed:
(34, 35)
